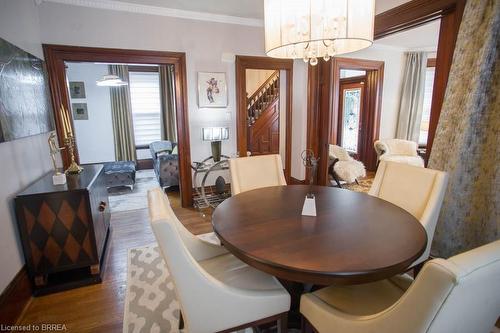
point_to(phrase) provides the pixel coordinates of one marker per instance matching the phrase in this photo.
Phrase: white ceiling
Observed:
(424, 38)
(240, 8)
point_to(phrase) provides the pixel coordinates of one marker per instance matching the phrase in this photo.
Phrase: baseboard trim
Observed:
(15, 298)
(295, 181)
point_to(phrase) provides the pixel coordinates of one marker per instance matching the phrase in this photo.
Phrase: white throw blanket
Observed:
(347, 168)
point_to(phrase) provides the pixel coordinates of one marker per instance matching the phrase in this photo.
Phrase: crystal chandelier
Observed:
(312, 29)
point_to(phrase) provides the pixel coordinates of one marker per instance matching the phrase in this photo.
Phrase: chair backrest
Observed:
(249, 173)
(398, 147)
(195, 289)
(459, 295)
(417, 190)
(338, 152)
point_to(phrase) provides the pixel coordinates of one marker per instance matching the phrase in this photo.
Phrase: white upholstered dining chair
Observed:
(216, 291)
(249, 173)
(419, 191)
(398, 150)
(458, 295)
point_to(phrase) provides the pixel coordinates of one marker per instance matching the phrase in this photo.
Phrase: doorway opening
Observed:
(357, 91)
(143, 113)
(264, 97)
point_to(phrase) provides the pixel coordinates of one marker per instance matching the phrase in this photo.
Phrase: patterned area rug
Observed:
(122, 198)
(150, 304)
(364, 185)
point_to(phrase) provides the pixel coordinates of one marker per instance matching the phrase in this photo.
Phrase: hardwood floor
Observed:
(99, 308)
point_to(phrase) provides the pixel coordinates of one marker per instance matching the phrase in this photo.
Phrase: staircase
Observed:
(263, 117)
(262, 98)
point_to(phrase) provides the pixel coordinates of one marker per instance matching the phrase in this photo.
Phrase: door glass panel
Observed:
(350, 119)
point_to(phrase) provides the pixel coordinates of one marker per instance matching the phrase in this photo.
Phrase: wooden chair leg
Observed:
(337, 180)
(283, 323)
(306, 326)
(181, 321)
(417, 269)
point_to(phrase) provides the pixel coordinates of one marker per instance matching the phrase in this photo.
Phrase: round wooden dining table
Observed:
(354, 237)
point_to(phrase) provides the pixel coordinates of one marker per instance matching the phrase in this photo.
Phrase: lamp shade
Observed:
(310, 29)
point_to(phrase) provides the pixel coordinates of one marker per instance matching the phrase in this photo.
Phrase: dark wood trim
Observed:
(431, 62)
(410, 15)
(57, 55)
(323, 91)
(280, 318)
(15, 298)
(295, 181)
(145, 164)
(143, 69)
(448, 33)
(404, 17)
(249, 62)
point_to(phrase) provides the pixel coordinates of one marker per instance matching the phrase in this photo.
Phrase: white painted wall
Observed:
(94, 136)
(24, 160)
(203, 42)
(393, 66)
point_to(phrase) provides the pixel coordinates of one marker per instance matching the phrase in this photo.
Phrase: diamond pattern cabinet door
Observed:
(64, 228)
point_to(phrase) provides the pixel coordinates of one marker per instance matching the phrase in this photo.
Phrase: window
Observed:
(350, 119)
(146, 107)
(426, 114)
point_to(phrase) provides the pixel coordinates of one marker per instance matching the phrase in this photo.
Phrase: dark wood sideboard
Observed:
(64, 230)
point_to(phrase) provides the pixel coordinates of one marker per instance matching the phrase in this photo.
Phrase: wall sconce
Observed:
(215, 133)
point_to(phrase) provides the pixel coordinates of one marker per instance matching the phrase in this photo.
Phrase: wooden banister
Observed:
(263, 85)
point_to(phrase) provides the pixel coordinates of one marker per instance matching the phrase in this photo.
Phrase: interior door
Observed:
(350, 124)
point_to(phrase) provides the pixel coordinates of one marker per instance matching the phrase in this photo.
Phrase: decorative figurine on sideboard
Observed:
(311, 164)
(69, 142)
(59, 178)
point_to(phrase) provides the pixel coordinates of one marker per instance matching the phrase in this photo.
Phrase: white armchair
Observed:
(397, 150)
(458, 295)
(249, 173)
(344, 167)
(216, 291)
(419, 191)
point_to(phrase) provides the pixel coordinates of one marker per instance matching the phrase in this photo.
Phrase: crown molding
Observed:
(123, 6)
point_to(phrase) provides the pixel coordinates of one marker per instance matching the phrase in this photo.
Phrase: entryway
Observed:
(264, 98)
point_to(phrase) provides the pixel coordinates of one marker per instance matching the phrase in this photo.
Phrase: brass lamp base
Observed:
(74, 168)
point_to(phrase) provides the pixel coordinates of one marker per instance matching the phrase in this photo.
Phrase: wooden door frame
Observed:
(251, 62)
(373, 97)
(57, 55)
(406, 16)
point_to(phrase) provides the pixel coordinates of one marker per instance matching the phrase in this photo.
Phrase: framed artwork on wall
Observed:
(25, 108)
(212, 90)
(77, 89)
(80, 111)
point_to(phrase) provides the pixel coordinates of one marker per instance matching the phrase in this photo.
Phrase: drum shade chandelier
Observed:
(312, 29)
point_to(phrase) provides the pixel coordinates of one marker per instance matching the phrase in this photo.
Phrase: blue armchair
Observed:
(165, 162)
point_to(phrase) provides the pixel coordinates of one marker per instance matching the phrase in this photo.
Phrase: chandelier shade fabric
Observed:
(312, 29)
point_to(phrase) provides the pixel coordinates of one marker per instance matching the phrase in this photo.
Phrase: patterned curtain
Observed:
(467, 143)
(121, 111)
(412, 96)
(167, 95)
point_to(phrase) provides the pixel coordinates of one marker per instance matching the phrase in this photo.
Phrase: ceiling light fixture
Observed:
(312, 29)
(111, 81)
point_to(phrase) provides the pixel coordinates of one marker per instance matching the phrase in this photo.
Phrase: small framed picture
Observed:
(80, 111)
(212, 90)
(77, 89)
